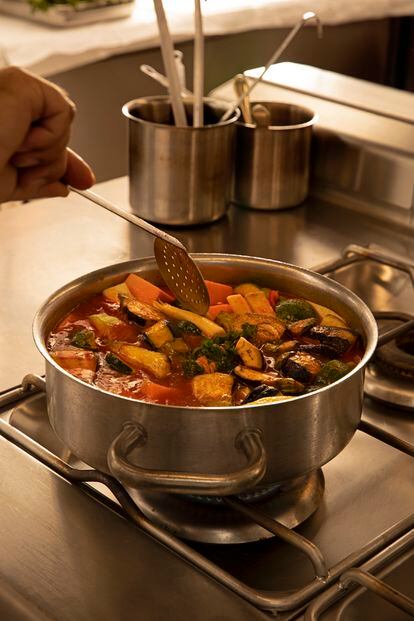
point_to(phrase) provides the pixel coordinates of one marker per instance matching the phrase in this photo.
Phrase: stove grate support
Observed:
(362, 576)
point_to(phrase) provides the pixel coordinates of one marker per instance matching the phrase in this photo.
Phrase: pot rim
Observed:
(314, 117)
(107, 270)
(128, 106)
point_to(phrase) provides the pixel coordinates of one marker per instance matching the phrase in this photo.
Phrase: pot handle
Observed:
(133, 435)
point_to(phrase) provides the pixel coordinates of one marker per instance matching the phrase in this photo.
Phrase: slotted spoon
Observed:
(177, 268)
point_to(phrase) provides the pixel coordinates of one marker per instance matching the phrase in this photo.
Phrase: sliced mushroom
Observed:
(280, 360)
(241, 393)
(275, 349)
(260, 392)
(256, 377)
(140, 312)
(298, 328)
(317, 349)
(302, 367)
(340, 339)
(249, 354)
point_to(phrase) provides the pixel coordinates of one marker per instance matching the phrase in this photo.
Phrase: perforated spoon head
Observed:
(182, 276)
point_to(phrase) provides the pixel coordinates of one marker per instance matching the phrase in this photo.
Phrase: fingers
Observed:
(78, 173)
(48, 190)
(46, 156)
(38, 176)
(33, 142)
(52, 180)
(39, 139)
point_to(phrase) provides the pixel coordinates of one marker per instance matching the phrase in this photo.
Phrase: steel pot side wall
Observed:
(299, 435)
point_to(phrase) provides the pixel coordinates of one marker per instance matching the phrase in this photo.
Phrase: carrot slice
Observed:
(218, 292)
(273, 297)
(145, 291)
(159, 394)
(214, 310)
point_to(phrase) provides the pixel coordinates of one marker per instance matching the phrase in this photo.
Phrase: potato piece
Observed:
(159, 334)
(250, 355)
(207, 327)
(112, 293)
(140, 358)
(328, 317)
(259, 303)
(238, 304)
(245, 288)
(71, 359)
(213, 389)
(177, 346)
(112, 328)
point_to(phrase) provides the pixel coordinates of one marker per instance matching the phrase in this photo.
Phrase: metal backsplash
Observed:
(363, 147)
(364, 177)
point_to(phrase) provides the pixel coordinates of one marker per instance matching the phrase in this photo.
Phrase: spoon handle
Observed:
(241, 87)
(122, 213)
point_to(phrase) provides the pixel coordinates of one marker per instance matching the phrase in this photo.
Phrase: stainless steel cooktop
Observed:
(65, 543)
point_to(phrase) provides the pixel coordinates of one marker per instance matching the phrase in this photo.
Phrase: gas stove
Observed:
(338, 544)
(352, 521)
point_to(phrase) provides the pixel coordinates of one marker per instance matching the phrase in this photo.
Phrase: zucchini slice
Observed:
(117, 365)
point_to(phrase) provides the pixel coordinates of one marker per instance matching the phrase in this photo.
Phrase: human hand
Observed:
(34, 159)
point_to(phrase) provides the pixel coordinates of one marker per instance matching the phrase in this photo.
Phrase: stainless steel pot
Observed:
(272, 162)
(213, 451)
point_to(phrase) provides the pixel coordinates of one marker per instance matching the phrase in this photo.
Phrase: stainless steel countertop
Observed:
(46, 243)
(66, 558)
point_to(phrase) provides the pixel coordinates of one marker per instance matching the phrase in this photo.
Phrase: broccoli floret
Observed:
(249, 331)
(331, 372)
(222, 354)
(191, 367)
(294, 310)
(222, 349)
(85, 339)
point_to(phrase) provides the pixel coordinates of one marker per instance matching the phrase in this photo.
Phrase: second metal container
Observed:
(179, 175)
(272, 163)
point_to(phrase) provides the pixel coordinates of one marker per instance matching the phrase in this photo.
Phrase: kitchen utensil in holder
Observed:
(272, 162)
(179, 176)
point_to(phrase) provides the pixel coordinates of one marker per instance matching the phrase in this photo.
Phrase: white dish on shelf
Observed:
(65, 15)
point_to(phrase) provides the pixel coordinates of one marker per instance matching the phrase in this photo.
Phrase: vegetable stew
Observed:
(256, 345)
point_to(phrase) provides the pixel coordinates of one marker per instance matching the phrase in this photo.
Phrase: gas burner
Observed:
(390, 376)
(211, 520)
(397, 357)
